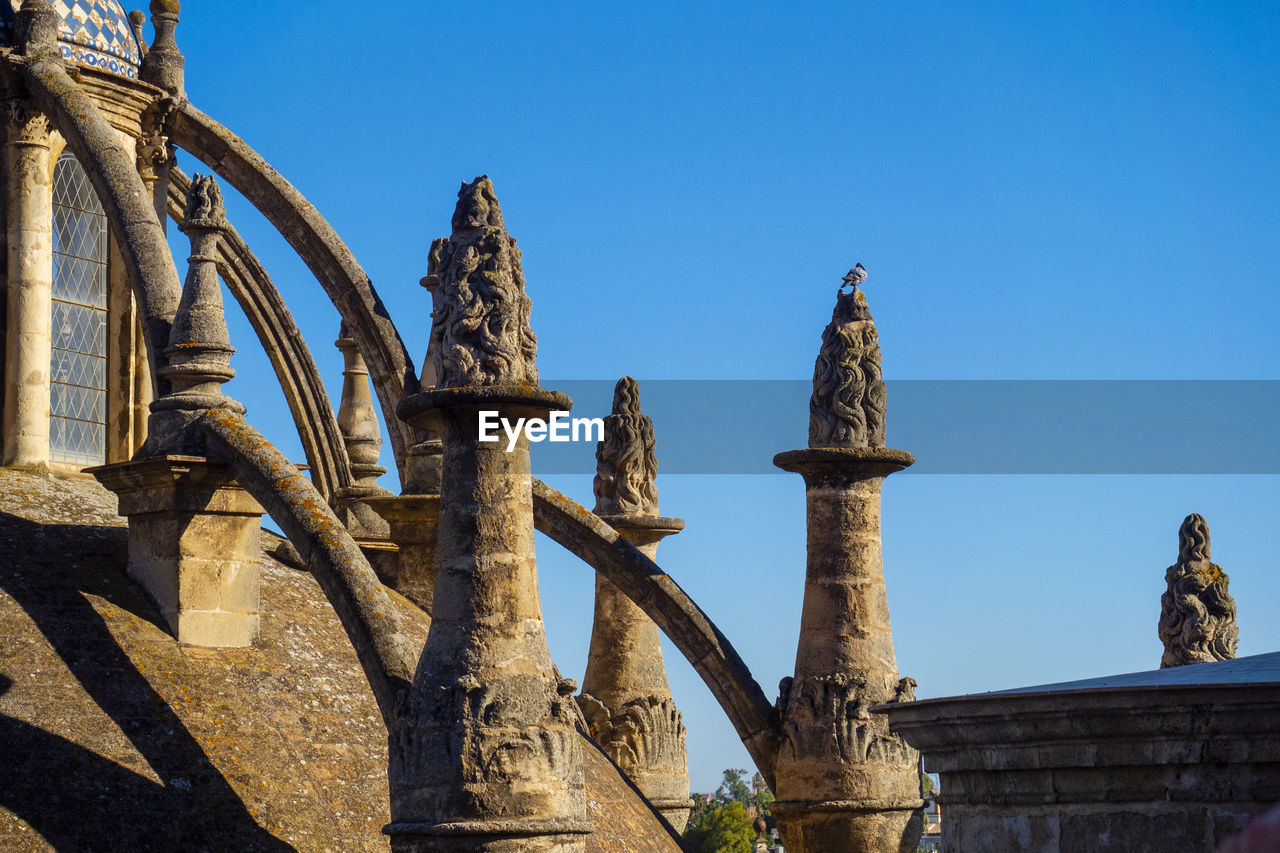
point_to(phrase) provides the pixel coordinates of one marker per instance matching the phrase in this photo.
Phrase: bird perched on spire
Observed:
(856, 276)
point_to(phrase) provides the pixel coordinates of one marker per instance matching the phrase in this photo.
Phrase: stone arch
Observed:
(358, 597)
(325, 254)
(587, 536)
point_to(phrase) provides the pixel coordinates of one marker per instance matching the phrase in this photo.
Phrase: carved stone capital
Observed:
(642, 735)
(508, 739)
(25, 124)
(645, 737)
(828, 719)
(155, 151)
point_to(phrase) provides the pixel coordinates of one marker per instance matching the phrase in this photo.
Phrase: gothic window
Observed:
(78, 389)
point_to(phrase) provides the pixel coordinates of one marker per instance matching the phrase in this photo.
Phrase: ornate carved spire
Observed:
(625, 698)
(199, 351)
(626, 465)
(1197, 613)
(480, 333)
(204, 209)
(848, 403)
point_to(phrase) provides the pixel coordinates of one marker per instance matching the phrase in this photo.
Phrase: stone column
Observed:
(155, 158)
(193, 532)
(193, 545)
(125, 430)
(625, 695)
(844, 782)
(487, 755)
(28, 345)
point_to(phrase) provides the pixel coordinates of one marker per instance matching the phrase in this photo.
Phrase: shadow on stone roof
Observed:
(114, 736)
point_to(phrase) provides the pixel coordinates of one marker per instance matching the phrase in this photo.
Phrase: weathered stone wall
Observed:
(1094, 770)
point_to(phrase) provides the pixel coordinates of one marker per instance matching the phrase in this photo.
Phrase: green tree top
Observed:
(726, 829)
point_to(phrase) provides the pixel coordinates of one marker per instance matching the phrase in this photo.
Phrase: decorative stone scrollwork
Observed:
(155, 152)
(204, 206)
(1197, 613)
(506, 736)
(644, 734)
(830, 717)
(25, 123)
(480, 332)
(847, 408)
(626, 464)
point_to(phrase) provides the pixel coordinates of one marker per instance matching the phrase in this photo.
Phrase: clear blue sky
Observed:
(1061, 193)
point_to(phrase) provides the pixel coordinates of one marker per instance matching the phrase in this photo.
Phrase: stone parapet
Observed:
(193, 545)
(1151, 767)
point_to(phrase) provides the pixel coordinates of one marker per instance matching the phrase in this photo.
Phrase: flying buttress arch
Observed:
(321, 249)
(565, 521)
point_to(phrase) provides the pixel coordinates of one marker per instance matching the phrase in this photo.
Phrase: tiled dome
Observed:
(95, 33)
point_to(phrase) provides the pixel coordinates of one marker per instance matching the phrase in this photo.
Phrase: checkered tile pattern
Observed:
(93, 32)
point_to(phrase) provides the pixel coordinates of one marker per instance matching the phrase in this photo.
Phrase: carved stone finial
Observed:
(1197, 613)
(199, 351)
(35, 29)
(1193, 539)
(204, 210)
(626, 465)
(480, 333)
(137, 20)
(357, 418)
(163, 65)
(847, 408)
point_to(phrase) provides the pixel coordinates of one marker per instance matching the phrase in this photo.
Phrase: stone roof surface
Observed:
(115, 737)
(95, 33)
(1255, 669)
